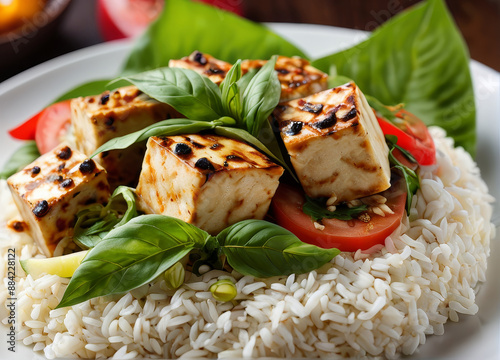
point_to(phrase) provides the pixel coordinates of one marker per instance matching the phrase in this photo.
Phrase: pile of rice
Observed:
(361, 304)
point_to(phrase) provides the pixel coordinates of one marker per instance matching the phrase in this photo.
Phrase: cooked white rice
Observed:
(377, 305)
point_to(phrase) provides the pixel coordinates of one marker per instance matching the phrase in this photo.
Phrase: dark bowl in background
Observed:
(32, 35)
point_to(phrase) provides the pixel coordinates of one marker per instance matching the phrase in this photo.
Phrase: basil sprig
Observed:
(131, 256)
(411, 178)
(96, 221)
(317, 210)
(139, 251)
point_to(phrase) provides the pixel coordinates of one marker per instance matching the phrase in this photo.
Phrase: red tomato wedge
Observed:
(412, 135)
(348, 235)
(53, 123)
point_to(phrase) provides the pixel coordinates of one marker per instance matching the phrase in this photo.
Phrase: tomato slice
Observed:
(412, 135)
(348, 235)
(53, 123)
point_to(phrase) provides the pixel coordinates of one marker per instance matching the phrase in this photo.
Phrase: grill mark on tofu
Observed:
(361, 165)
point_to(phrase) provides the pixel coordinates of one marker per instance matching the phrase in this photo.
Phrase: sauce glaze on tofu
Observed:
(335, 144)
(207, 180)
(53, 189)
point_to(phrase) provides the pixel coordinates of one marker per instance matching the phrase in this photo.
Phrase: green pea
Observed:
(223, 290)
(174, 276)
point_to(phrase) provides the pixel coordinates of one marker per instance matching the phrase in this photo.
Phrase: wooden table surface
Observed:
(478, 20)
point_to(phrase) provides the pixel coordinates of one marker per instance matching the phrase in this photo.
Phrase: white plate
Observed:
(473, 337)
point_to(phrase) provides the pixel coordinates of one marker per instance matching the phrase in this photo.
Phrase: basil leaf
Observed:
(95, 222)
(263, 249)
(161, 128)
(261, 97)
(316, 209)
(231, 94)
(201, 27)
(417, 58)
(131, 256)
(193, 95)
(23, 156)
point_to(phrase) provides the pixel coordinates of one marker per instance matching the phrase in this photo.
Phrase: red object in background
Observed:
(120, 19)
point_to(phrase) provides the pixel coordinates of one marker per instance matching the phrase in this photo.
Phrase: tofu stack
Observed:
(207, 180)
(50, 191)
(335, 144)
(100, 118)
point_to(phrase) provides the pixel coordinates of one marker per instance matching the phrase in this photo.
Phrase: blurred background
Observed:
(68, 25)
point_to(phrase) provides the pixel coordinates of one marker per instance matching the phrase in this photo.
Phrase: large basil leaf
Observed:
(161, 128)
(23, 156)
(193, 95)
(261, 97)
(417, 58)
(131, 256)
(96, 221)
(263, 249)
(185, 26)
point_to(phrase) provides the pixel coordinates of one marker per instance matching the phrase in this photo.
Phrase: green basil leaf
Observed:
(263, 249)
(261, 97)
(420, 59)
(95, 222)
(231, 94)
(205, 28)
(193, 95)
(23, 156)
(131, 256)
(161, 128)
(316, 209)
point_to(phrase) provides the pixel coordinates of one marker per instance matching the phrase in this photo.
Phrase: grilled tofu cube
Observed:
(203, 64)
(335, 144)
(50, 191)
(98, 119)
(297, 77)
(207, 180)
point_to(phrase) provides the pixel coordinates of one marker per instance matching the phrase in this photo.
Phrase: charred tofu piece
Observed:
(297, 77)
(98, 119)
(207, 180)
(50, 191)
(203, 64)
(335, 144)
